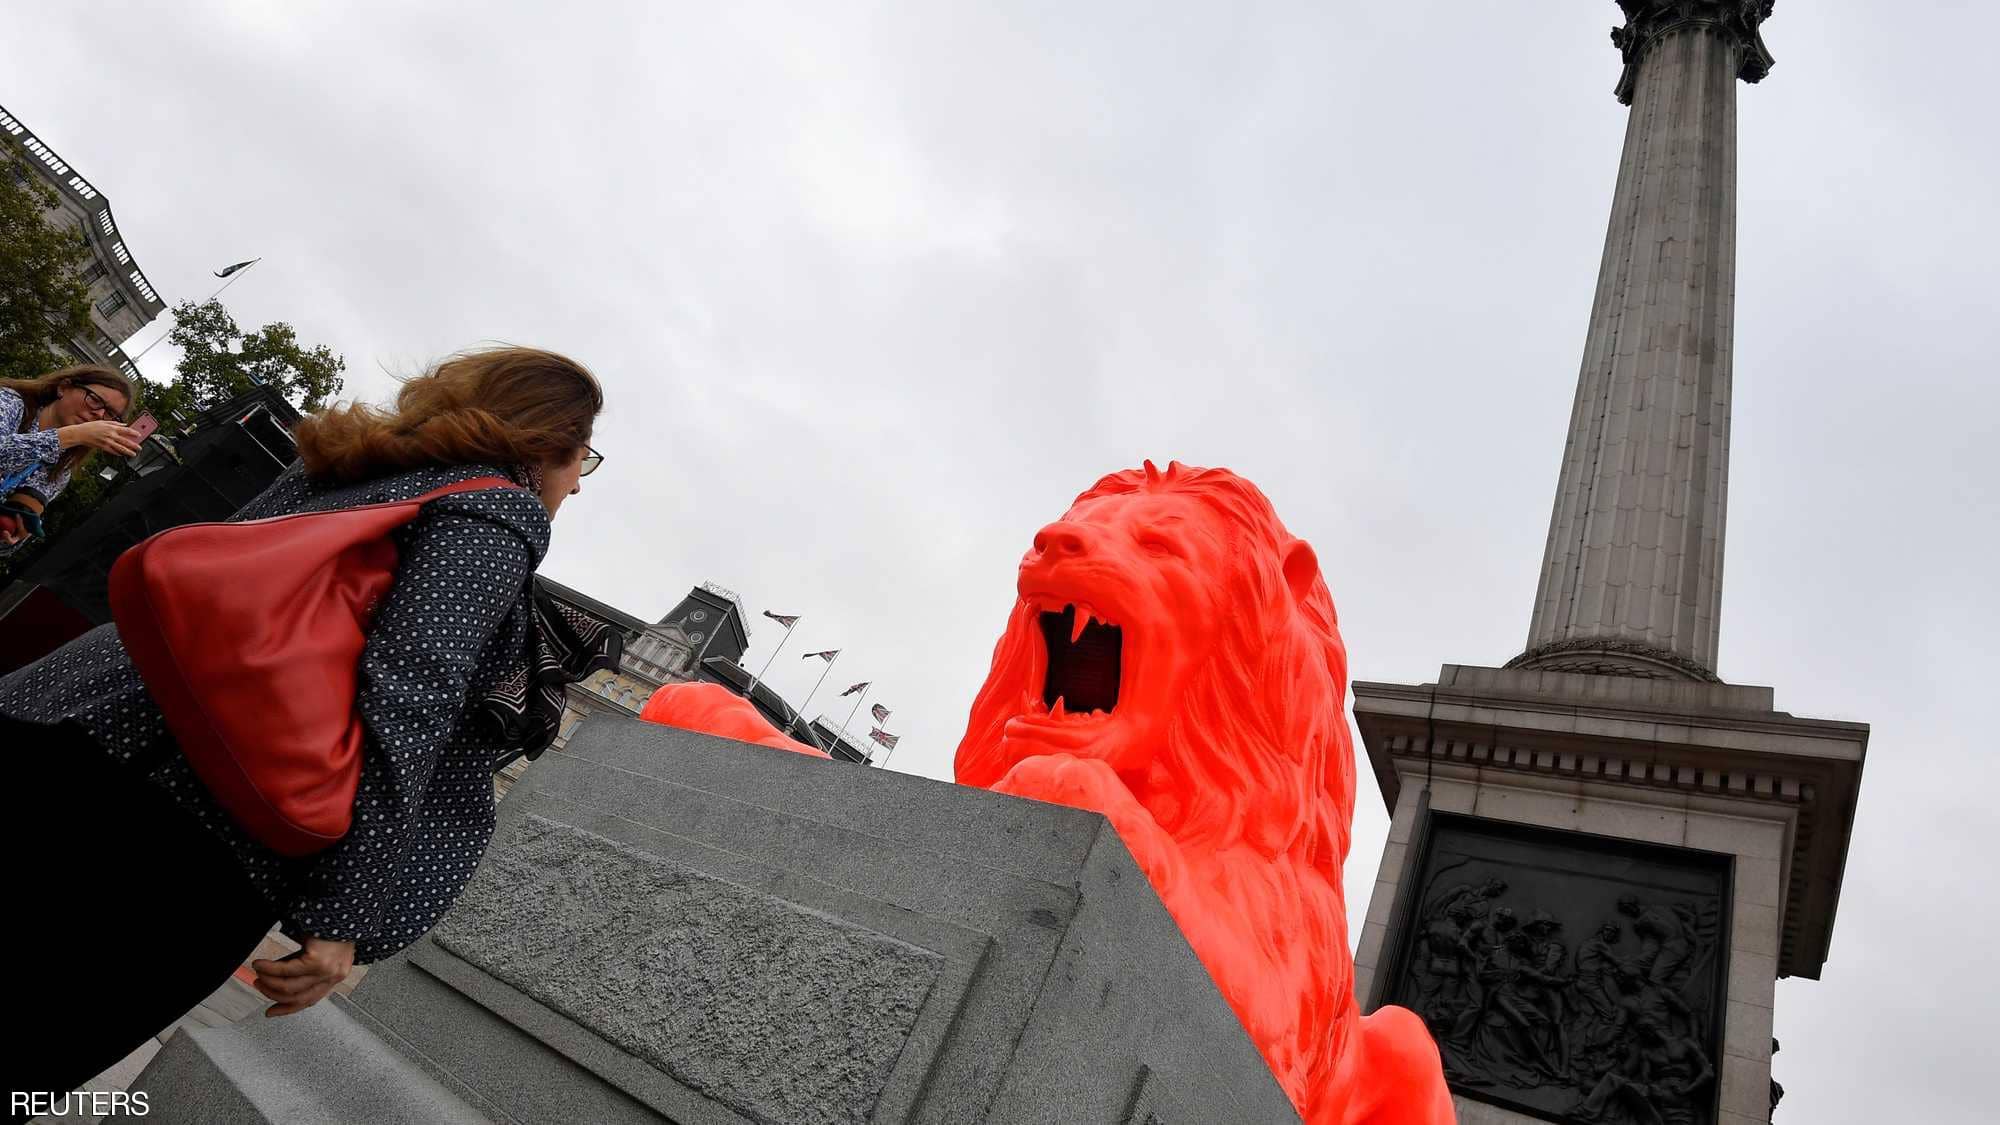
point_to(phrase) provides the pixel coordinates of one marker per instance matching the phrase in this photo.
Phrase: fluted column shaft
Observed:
(1632, 572)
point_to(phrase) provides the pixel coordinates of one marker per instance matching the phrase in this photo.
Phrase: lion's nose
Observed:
(1059, 538)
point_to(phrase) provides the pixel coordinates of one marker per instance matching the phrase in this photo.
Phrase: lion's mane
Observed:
(1263, 719)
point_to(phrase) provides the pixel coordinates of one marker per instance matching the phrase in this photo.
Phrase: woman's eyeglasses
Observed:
(97, 402)
(591, 460)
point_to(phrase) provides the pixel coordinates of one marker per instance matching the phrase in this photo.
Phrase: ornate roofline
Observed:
(99, 227)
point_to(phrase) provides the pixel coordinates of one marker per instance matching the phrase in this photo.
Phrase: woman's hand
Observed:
(108, 434)
(303, 979)
(11, 531)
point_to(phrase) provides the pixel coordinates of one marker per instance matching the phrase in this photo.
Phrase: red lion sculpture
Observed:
(714, 709)
(1173, 661)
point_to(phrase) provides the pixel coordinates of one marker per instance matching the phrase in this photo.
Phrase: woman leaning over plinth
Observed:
(48, 426)
(134, 894)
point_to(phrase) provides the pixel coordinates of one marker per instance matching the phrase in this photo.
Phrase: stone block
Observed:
(119, 1075)
(672, 927)
(1472, 1112)
(1753, 928)
(1382, 902)
(1631, 821)
(1364, 986)
(699, 977)
(1451, 795)
(1528, 806)
(1746, 1087)
(1369, 951)
(318, 1066)
(1753, 977)
(1391, 867)
(1746, 1031)
(1756, 838)
(1757, 882)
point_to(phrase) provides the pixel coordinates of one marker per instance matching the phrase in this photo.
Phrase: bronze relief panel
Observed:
(1576, 977)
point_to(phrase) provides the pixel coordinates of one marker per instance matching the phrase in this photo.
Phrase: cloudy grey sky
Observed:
(877, 288)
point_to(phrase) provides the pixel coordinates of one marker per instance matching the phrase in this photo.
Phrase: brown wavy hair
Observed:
(42, 390)
(501, 406)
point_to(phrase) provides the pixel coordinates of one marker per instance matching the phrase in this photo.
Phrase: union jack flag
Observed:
(862, 686)
(884, 737)
(782, 619)
(880, 712)
(827, 656)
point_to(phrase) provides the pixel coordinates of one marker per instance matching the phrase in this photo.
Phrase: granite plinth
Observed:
(319, 1065)
(1691, 767)
(674, 927)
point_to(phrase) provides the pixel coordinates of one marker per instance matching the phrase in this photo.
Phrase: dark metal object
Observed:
(1648, 21)
(1579, 978)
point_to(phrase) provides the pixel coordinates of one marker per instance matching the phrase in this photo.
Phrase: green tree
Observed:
(42, 297)
(220, 361)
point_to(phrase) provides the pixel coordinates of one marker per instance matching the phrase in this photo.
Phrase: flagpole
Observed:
(815, 690)
(767, 662)
(212, 296)
(886, 757)
(857, 711)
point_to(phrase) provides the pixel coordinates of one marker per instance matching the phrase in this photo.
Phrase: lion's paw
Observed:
(1398, 1078)
(1064, 779)
(1091, 783)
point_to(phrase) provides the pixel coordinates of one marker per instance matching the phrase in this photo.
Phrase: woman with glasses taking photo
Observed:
(48, 426)
(462, 664)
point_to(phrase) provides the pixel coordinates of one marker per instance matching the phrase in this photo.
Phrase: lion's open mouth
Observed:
(1086, 658)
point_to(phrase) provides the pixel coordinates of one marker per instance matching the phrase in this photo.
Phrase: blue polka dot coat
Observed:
(456, 622)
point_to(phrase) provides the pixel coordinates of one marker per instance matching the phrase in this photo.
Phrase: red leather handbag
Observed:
(249, 638)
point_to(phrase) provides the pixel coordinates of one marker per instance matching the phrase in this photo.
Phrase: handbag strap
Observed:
(474, 484)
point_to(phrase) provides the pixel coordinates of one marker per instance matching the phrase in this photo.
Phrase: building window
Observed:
(95, 271)
(111, 304)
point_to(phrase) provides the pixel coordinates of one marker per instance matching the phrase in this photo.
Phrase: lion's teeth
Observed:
(1077, 624)
(1057, 711)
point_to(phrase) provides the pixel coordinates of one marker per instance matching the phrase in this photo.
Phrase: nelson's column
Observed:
(1602, 856)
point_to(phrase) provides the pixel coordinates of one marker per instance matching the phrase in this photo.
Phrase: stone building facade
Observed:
(701, 639)
(122, 301)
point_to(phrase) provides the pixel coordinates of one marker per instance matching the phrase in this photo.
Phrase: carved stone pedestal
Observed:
(1593, 883)
(672, 927)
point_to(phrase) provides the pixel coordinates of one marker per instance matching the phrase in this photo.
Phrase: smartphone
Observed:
(144, 425)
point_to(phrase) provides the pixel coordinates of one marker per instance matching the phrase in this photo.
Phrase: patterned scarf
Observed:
(526, 708)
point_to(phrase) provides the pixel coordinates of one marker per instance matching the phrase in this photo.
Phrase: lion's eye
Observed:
(1157, 544)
